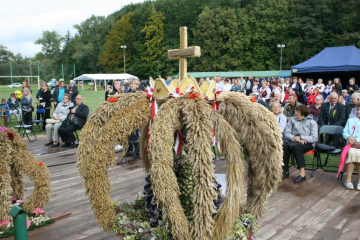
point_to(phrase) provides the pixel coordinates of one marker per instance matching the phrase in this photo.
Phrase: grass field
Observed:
(91, 98)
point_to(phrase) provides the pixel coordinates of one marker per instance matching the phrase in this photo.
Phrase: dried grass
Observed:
(261, 138)
(166, 188)
(25, 163)
(197, 119)
(231, 208)
(144, 135)
(5, 177)
(93, 167)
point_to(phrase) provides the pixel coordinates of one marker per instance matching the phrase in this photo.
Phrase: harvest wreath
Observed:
(177, 135)
(16, 161)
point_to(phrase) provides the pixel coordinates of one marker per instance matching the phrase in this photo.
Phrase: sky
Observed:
(22, 21)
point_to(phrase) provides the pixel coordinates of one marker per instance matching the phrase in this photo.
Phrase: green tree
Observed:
(120, 34)
(5, 54)
(155, 41)
(88, 43)
(51, 43)
(218, 34)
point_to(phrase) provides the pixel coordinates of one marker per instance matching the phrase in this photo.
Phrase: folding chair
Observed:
(37, 122)
(26, 127)
(324, 148)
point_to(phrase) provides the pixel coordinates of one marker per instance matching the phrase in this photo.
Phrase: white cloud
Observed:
(22, 22)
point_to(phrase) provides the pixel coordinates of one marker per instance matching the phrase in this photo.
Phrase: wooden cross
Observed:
(3, 116)
(183, 53)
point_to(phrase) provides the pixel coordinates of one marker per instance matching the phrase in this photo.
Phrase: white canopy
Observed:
(104, 77)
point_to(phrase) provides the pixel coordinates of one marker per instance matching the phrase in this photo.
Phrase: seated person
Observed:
(5, 111)
(332, 113)
(289, 109)
(300, 134)
(312, 96)
(75, 120)
(60, 114)
(316, 107)
(276, 109)
(351, 133)
(13, 104)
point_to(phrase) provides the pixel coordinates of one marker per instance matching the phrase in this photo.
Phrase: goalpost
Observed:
(26, 77)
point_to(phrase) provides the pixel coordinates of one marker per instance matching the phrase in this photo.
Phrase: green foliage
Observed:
(233, 35)
(88, 43)
(10, 231)
(154, 35)
(51, 44)
(5, 54)
(121, 33)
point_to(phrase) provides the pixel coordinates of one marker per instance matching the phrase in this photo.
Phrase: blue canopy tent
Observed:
(331, 62)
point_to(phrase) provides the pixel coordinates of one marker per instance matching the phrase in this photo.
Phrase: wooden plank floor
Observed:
(320, 208)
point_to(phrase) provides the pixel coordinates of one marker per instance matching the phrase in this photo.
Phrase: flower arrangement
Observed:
(112, 99)
(35, 219)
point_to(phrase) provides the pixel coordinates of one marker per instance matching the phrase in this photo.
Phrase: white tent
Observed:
(104, 77)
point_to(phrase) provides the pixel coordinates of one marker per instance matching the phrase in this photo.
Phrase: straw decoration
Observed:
(197, 118)
(93, 168)
(25, 163)
(5, 177)
(165, 186)
(261, 138)
(231, 208)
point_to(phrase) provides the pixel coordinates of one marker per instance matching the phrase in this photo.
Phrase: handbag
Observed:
(76, 121)
(52, 121)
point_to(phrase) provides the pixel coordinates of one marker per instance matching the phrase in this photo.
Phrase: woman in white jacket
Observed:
(59, 115)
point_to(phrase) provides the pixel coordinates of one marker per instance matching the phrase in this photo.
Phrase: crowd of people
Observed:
(70, 113)
(301, 108)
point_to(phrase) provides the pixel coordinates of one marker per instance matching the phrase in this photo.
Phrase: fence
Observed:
(12, 72)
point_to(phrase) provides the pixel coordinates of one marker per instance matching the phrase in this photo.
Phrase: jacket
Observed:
(348, 130)
(26, 104)
(306, 128)
(56, 93)
(46, 97)
(336, 117)
(82, 112)
(13, 104)
(314, 111)
(349, 108)
(62, 110)
(74, 92)
(289, 111)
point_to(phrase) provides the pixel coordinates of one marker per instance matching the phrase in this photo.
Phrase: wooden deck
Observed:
(320, 208)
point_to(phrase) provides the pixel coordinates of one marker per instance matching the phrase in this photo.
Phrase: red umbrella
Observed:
(344, 154)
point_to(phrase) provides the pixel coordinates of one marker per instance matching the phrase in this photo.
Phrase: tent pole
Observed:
(95, 85)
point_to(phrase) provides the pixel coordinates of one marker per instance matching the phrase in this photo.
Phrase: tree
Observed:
(88, 43)
(155, 40)
(5, 54)
(120, 34)
(218, 34)
(51, 43)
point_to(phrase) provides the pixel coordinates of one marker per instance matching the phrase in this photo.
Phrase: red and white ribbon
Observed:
(178, 142)
(176, 93)
(149, 92)
(190, 88)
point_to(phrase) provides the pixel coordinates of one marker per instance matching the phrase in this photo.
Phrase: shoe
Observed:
(55, 145)
(358, 187)
(128, 154)
(49, 143)
(66, 145)
(285, 175)
(349, 185)
(299, 179)
(73, 145)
